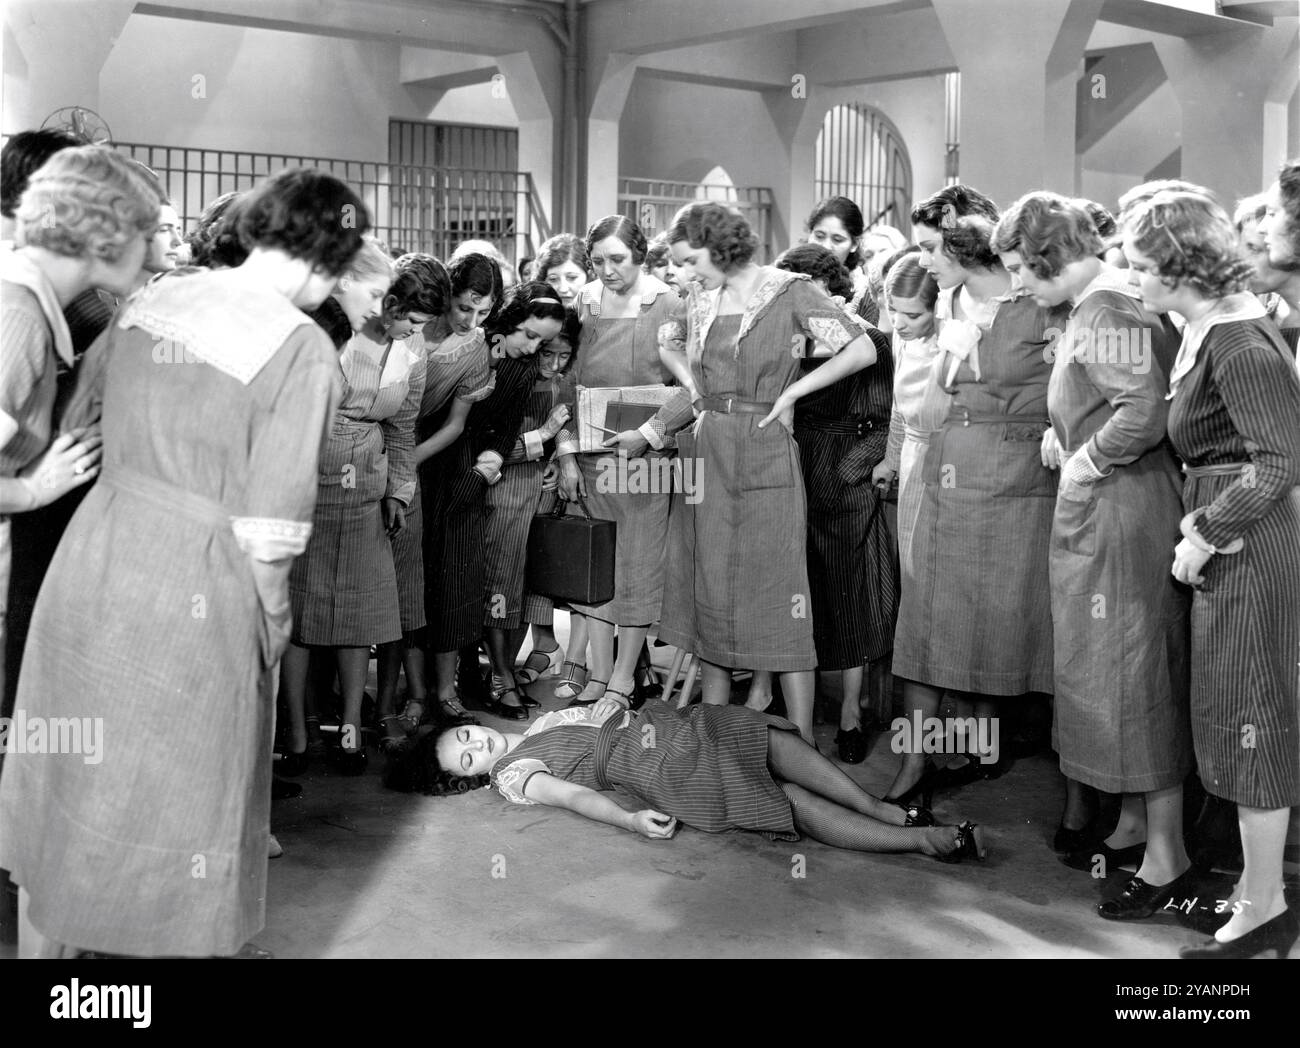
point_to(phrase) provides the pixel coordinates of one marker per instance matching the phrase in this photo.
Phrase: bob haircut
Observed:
(87, 201)
(850, 216)
(658, 253)
(723, 230)
(531, 300)
(213, 241)
(308, 215)
(1191, 240)
(570, 332)
(964, 218)
(1049, 230)
(23, 155)
(370, 262)
(478, 274)
(622, 227)
(820, 264)
(1144, 192)
(420, 286)
(907, 279)
(561, 248)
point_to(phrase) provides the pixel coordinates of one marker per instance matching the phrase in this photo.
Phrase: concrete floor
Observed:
(372, 873)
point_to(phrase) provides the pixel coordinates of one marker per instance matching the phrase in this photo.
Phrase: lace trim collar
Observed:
(651, 288)
(224, 320)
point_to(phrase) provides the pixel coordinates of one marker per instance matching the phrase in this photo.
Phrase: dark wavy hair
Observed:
(1105, 222)
(965, 219)
(1049, 231)
(723, 230)
(523, 301)
(627, 231)
(571, 332)
(1288, 185)
(907, 279)
(896, 257)
(307, 214)
(413, 767)
(214, 242)
(22, 156)
(1191, 240)
(561, 248)
(850, 216)
(421, 285)
(479, 274)
(820, 264)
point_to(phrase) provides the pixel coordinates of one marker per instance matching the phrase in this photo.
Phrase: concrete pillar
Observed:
(609, 80)
(535, 93)
(1020, 65)
(53, 53)
(1233, 88)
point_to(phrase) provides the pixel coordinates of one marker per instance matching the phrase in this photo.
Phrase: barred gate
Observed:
(652, 202)
(411, 208)
(860, 155)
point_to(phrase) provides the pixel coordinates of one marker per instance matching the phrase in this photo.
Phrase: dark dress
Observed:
(842, 431)
(455, 512)
(705, 765)
(1234, 421)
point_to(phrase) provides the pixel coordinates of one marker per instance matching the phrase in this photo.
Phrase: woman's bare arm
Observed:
(547, 789)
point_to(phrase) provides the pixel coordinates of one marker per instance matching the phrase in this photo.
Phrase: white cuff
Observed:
(533, 444)
(652, 438)
(269, 539)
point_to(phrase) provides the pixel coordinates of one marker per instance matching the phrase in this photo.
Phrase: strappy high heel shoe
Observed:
(408, 720)
(392, 733)
(573, 679)
(970, 844)
(588, 702)
(917, 816)
(540, 664)
(500, 689)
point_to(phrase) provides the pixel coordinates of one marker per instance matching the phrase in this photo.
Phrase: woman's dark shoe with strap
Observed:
(580, 701)
(970, 844)
(1086, 858)
(922, 790)
(852, 745)
(573, 679)
(293, 764)
(497, 707)
(916, 815)
(1278, 934)
(1140, 900)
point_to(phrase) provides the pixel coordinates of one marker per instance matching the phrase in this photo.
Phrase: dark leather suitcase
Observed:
(571, 559)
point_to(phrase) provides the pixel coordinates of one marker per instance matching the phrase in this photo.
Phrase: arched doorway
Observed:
(716, 185)
(860, 154)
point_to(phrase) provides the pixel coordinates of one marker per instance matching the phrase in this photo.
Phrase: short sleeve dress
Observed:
(737, 592)
(163, 612)
(705, 765)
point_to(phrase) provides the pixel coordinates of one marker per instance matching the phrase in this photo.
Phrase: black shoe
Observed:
(922, 790)
(1140, 900)
(352, 762)
(969, 844)
(1067, 840)
(1278, 934)
(1114, 858)
(917, 816)
(852, 745)
(293, 764)
(283, 789)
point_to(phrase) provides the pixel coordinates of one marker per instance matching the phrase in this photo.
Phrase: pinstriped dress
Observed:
(1240, 403)
(510, 505)
(345, 586)
(705, 765)
(454, 366)
(852, 563)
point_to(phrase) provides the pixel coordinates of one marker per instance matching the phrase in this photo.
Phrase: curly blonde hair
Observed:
(1191, 240)
(87, 199)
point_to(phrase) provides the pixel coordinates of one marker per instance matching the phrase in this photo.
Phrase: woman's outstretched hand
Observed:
(653, 824)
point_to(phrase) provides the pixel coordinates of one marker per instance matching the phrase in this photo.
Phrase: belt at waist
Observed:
(166, 496)
(968, 418)
(733, 405)
(1225, 469)
(605, 747)
(856, 426)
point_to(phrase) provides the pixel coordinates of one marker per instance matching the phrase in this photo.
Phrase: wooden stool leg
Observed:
(688, 685)
(674, 674)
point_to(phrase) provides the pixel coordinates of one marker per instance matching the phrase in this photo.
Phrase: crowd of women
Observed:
(1039, 452)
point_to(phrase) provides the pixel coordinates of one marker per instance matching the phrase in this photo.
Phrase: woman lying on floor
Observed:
(714, 768)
